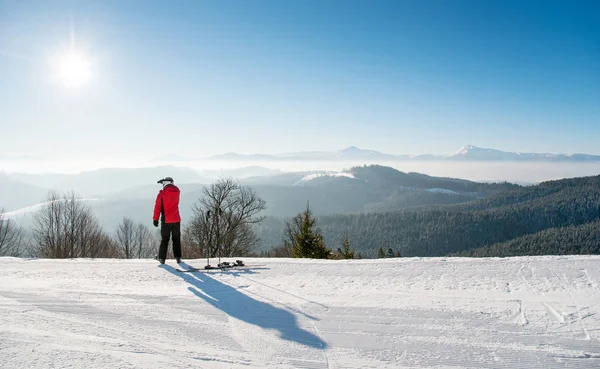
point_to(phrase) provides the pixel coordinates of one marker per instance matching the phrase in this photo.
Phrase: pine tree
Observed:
(398, 255)
(306, 240)
(380, 253)
(345, 250)
(390, 253)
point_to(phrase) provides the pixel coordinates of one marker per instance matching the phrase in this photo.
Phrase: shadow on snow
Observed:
(243, 307)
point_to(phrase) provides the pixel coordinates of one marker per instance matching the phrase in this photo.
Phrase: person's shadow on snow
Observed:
(243, 307)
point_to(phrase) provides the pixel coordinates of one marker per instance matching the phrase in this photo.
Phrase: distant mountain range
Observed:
(353, 153)
(471, 152)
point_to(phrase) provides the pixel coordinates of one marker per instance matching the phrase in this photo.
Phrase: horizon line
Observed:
(23, 157)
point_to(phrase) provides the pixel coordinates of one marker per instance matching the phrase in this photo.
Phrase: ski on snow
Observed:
(222, 267)
(216, 269)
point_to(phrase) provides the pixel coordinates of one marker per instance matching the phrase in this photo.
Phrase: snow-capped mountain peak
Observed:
(465, 150)
(478, 153)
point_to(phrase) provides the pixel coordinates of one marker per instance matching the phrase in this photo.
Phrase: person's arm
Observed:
(157, 208)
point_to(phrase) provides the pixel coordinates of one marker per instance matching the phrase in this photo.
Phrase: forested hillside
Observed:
(372, 188)
(502, 218)
(583, 239)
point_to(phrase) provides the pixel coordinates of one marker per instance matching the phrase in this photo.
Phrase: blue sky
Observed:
(208, 77)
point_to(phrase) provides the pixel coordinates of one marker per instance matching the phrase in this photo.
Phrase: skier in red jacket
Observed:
(167, 206)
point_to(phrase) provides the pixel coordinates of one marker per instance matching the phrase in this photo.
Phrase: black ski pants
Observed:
(170, 231)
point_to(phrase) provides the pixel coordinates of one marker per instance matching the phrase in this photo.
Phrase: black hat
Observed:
(166, 179)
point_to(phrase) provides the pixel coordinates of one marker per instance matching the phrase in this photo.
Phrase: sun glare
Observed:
(73, 69)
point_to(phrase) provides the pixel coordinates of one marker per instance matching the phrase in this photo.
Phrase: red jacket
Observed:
(167, 204)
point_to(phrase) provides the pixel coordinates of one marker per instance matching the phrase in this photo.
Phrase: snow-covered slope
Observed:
(322, 174)
(536, 312)
(30, 210)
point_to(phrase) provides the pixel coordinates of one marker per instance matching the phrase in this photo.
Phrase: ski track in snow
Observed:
(526, 312)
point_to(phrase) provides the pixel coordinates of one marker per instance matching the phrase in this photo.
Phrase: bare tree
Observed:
(125, 237)
(195, 238)
(11, 237)
(223, 219)
(76, 223)
(65, 227)
(241, 241)
(47, 228)
(143, 241)
(104, 246)
(134, 240)
(90, 236)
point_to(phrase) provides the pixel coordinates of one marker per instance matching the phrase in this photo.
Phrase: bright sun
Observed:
(73, 69)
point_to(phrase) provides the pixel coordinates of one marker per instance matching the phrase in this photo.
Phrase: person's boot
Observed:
(178, 260)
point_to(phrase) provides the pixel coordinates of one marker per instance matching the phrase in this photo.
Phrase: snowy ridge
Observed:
(312, 176)
(34, 208)
(522, 312)
(464, 150)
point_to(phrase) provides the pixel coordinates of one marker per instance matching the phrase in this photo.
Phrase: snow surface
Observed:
(524, 312)
(310, 177)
